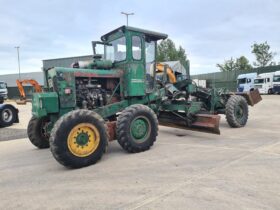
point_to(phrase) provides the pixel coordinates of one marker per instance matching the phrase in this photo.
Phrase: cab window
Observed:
(116, 50)
(150, 49)
(136, 48)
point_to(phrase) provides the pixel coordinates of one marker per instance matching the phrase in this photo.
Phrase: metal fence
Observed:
(228, 79)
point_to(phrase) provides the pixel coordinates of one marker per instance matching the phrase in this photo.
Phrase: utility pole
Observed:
(17, 47)
(127, 14)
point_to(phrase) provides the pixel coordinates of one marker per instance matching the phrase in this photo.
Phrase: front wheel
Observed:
(79, 139)
(37, 132)
(237, 111)
(137, 128)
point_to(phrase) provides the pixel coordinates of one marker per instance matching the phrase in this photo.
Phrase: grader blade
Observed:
(253, 97)
(203, 123)
(208, 123)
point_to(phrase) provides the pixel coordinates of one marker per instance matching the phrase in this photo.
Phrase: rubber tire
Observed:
(231, 104)
(34, 132)
(3, 123)
(270, 92)
(61, 130)
(123, 128)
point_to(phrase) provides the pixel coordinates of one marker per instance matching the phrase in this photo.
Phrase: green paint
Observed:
(44, 104)
(239, 112)
(82, 139)
(140, 129)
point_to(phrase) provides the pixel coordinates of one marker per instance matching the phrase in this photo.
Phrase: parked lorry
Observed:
(245, 82)
(264, 83)
(118, 97)
(3, 90)
(276, 82)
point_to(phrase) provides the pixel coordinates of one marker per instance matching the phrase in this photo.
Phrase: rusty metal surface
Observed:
(255, 96)
(252, 97)
(111, 128)
(203, 123)
(208, 122)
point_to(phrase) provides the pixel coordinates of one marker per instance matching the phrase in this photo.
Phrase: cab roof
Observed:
(152, 35)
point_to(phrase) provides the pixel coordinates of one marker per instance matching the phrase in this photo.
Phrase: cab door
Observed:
(136, 65)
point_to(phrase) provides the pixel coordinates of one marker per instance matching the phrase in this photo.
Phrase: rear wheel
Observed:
(79, 139)
(270, 91)
(37, 132)
(137, 128)
(7, 116)
(237, 111)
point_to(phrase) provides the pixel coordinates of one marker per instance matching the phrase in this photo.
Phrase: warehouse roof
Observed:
(65, 62)
(10, 79)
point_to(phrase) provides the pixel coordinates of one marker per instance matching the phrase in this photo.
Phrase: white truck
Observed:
(245, 82)
(276, 82)
(200, 82)
(3, 90)
(264, 82)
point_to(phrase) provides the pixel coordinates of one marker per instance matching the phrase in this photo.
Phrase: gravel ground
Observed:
(238, 169)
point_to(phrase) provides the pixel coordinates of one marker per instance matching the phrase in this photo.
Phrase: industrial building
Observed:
(216, 79)
(10, 79)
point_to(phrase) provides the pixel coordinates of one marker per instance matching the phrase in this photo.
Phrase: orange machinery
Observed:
(20, 84)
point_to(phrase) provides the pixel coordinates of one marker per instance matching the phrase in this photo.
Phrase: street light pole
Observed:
(127, 14)
(17, 47)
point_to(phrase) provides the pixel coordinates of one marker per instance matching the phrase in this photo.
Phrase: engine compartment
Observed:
(92, 92)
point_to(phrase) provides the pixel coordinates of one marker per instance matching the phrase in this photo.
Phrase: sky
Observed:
(209, 31)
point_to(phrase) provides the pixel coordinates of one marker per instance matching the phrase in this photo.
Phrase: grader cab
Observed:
(117, 96)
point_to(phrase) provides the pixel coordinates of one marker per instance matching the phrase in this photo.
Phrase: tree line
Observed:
(263, 55)
(167, 51)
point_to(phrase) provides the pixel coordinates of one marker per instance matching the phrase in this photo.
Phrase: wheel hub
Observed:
(7, 115)
(140, 128)
(239, 112)
(83, 139)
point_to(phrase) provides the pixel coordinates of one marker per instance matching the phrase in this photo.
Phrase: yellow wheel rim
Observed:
(83, 139)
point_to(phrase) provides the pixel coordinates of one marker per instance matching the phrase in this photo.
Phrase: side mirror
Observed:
(6, 85)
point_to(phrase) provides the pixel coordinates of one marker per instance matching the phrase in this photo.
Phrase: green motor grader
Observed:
(118, 95)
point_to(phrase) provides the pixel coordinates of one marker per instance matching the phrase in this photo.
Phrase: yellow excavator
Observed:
(160, 67)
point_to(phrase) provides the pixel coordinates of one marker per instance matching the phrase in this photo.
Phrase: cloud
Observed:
(210, 31)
